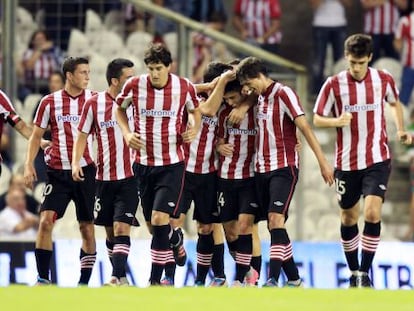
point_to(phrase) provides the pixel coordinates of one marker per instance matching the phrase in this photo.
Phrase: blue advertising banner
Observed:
(321, 265)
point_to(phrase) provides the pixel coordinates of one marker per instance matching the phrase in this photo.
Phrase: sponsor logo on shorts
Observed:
(253, 204)
(129, 215)
(278, 203)
(171, 204)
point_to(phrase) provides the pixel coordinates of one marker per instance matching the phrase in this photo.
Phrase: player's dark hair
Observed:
(215, 69)
(115, 67)
(233, 86)
(157, 53)
(71, 63)
(250, 68)
(359, 45)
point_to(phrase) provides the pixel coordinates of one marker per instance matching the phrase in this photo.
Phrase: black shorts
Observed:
(350, 185)
(202, 190)
(116, 201)
(275, 190)
(160, 188)
(61, 189)
(237, 196)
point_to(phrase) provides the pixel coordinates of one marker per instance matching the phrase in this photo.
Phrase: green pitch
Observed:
(214, 299)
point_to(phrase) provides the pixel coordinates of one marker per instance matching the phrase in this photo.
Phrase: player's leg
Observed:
(248, 208)
(217, 262)
(375, 182)
(84, 199)
(55, 190)
(348, 189)
(125, 206)
(282, 184)
(204, 194)
(168, 182)
(253, 275)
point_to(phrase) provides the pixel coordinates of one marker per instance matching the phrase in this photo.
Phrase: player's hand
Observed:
(404, 138)
(225, 150)
(44, 143)
(327, 172)
(29, 176)
(344, 119)
(133, 141)
(189, 135)
(228, 75)
(298, 146)
(77, 173)
(236, 115)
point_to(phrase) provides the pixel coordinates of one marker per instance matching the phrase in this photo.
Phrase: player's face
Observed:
(158, 74)
(252, 86)
(127, 73)
(80, 77)
(233, 98)
(358, 66)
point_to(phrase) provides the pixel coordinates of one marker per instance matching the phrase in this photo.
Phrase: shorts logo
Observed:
(253, 204)
(129, 215)
(171, 204)
(382, 187)
(278, 203)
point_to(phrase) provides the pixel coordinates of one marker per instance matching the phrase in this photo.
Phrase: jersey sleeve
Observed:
(124, 98)
(291, 102)
(42, 115)
(325, 100)
(7, 110)
(87, 119)
(192, 101)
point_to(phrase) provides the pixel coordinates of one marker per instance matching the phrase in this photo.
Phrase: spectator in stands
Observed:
(203, 10)
(207, 49)
(328, 27)
(380, 21)
(404, 44)
(163, 26)
(40, 60)
(16, 222)
(56, 83)
(258, 22)
(17, 181)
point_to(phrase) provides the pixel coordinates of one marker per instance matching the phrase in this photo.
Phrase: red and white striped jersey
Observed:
(43, 67)
(200, 154)
(113, 156)
(381, 19)
(257, 17)
(405, 32)
(7, 113)
(62, 112)
(159, 117)
(276, 112)
(364, 142)
(243, 138)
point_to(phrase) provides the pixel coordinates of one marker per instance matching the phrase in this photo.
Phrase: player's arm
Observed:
(32, 150)
(77, 152)
(398, 115)
(341, 121)
(132, 139)
(326, 168)
(25, 130)
(213, 102)
(206, 87)
(238, 113)
(193, 125)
